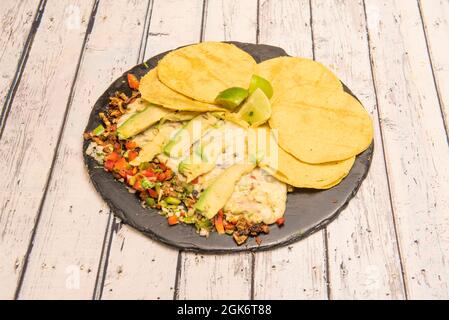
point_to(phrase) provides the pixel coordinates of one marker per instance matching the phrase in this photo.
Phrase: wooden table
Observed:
(58, 239)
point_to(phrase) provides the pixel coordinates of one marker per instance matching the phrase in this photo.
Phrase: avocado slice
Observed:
(193, 170)
(141, 121)
(181, 116)
(204, 156)
(182, 139)
(218, 193)
(155, 146)
(198, 163)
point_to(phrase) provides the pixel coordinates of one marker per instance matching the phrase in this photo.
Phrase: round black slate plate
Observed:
(307, 210)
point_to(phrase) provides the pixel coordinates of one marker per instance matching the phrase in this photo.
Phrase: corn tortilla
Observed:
(299, 174)
(156, 92)
(319, 125)
(287, 73)
(203, 70)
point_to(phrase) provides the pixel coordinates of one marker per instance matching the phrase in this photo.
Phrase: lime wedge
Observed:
(231, 98)
(257, 109)
(257, 82)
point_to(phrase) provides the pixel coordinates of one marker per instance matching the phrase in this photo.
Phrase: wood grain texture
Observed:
(16, 20)
(73, 221)
(297, 271)
(415, 144)
(210, 277)
(363, 254)
(221, 276)
(435, 15)
(231, 20)
(140, 268)
(31, 132)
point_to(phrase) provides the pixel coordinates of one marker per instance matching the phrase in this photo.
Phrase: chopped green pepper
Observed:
(98, 130)
(146, 184)
(150, 202)
(189, 219)
(188, 188)
(171, 200)
(144, 165)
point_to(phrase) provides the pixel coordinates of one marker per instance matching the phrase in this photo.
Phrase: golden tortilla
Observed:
(203, 70)
(296, 173)
(156, 92)
(287, 73)
(318, 125)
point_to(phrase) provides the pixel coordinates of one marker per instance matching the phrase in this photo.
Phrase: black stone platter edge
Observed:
(307, 211)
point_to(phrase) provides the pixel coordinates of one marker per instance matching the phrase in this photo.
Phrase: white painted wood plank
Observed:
(435, 14)
(297, 271)
(16, 20)
(294, 272)
(174, 23)
(415, 143)
(364, 259)
(73, 222)
(228, 276)
(139, 268)
(211, 277)
(286, 24)
(231, 20)
(143, 268)
(27, 146)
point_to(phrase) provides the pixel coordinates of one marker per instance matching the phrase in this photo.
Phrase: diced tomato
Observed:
(219, 222)
(109, 165)
(280, 222)
(124, 172)
(163, 166)
(195, 181)
(133, 82)
(152, 193)
(172, 220)
(229, 226)
(182, 214)
(121, 164)
(168, 174)
(160, 176)
(113, 156)
(138, 186)
(130, 145)
(132, 155)
(148, 173)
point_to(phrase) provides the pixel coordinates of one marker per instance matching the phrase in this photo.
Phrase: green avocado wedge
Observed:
(192, 170)
(185, 137)
(181, 116)
(218, 193)
(203, 158)
(155, 146)
(141, 121)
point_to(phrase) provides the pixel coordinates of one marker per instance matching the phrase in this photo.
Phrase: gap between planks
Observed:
(21, 66)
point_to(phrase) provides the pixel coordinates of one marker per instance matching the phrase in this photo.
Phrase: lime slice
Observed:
(231, 98)
(257, 82)
(257, 109)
